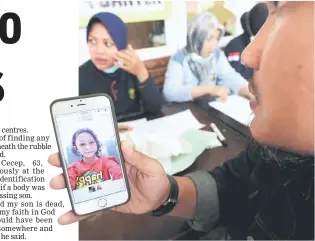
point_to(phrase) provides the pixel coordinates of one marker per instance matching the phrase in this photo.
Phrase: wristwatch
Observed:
(171, 202)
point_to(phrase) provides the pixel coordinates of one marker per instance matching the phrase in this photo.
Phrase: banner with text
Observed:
(129, 11)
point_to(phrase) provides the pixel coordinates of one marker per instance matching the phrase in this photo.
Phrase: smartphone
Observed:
(89, 149)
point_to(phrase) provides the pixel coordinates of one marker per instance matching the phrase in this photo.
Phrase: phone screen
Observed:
(90, 152)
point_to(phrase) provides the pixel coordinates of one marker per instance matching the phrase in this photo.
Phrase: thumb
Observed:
(138, 160)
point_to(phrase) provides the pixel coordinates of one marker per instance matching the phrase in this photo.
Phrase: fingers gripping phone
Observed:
(90, 154)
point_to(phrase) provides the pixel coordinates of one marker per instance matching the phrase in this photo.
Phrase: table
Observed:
(116, 226)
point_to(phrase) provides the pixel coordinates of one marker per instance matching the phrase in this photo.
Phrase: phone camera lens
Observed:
(71, 105)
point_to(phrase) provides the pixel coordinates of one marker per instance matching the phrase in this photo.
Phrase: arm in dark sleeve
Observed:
(81, 87)
(151, 96)
(241, 69)
(83, 77)
(80, 82)
(237, 63)
(234, 186)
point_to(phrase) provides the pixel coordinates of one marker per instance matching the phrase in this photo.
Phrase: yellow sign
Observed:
(128, 11)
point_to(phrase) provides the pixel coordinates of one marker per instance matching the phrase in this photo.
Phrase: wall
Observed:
(175, 28)
(238, 8)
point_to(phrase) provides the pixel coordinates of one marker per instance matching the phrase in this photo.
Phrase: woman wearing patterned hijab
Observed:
(201, 68)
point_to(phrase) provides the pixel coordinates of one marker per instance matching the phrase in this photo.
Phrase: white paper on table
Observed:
(167, 164)
(161, 138)
(176, 124)
(236, 107)
(154, 148)
(157, 145)
(167, 131)
(135, 124)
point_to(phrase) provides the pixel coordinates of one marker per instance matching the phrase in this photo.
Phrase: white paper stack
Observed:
(161, 138)
(236, 107)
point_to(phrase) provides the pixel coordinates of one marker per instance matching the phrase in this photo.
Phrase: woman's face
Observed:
(101, 46)
(86, 145)
(210, 44)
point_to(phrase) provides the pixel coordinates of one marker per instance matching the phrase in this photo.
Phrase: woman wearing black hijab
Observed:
(115, 69)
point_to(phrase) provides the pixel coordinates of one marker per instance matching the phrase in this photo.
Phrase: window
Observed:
(147, 34)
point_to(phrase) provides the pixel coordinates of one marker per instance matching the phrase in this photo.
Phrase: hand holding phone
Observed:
(89, 147)
(148, 184)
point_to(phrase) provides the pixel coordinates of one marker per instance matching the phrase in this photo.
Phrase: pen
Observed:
(219, 134)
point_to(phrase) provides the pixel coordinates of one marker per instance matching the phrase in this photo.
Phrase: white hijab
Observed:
(200, 28)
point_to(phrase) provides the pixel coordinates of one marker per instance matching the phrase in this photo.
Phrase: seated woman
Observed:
(201, 68)
(116, 70)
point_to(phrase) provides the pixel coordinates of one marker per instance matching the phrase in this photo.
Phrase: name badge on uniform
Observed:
(132, 93)
(212, 77)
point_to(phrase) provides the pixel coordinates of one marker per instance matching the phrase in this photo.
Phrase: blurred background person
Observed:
(251, 22)
(201, 68)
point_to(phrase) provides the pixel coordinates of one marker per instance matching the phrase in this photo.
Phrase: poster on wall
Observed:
(129, 11)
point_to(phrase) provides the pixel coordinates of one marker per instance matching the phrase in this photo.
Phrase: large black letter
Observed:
(16, 28)
(1, 89)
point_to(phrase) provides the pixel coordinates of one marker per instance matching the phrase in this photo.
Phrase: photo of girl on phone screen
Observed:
(92, 167)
